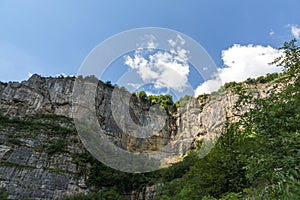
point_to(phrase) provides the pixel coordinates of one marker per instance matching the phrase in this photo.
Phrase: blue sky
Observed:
(51, 37)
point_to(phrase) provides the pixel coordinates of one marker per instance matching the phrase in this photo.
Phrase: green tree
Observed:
(272, 166)
(142, 95)
(290, 58)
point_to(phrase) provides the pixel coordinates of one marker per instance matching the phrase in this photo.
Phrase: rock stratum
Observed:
(39, 141)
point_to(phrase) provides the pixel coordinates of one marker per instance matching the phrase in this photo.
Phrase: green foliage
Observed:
(220, 171)
(268, 78)
(241, 86)
(163, 100)
(91, 78)
(233, 86)
(230, 85)
(3, 194)
(203, 96)
(13, 140)
(56, 146)
(142, 95)
(102, 176)
(290, 59)
(272, 130)
(262, 79)
(177, 170)
(208, 197)
(30, 126)
(106, 194)
(231, 196)
(109, 84)
(39, 124)
(183, 101)
(3, 83)
(111, 194)
(251, 81)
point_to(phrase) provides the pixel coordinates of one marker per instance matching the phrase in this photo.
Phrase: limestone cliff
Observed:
(34, 165)
(37, 95)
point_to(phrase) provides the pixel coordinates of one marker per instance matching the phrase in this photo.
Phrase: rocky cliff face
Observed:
(33, 164)
(37, 158)
(37, 95)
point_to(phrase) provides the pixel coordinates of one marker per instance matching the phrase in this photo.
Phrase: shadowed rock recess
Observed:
(39, 142)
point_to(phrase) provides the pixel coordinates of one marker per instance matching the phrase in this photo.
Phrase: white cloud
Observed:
(241, 63)
(271, 33)
(151, 44)
(171, 42)
(163, 69)
(134, 85)
(181, 40)
(178, 41)
(295, 30)
(208, 86)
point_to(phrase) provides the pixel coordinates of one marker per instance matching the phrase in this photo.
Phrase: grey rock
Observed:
(3, 150)
(26, 171)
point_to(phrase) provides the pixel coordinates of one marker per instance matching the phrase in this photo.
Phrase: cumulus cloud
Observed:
(295, 30)
(242, 62)
(151, 44)
(271, 33)
(134, 85)
(208, 86)
(177, 41)
(164, 69)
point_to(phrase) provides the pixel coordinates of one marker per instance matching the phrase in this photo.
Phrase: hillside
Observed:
(253, 125)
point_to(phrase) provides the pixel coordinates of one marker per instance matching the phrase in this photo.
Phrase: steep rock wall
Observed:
(26, 170)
